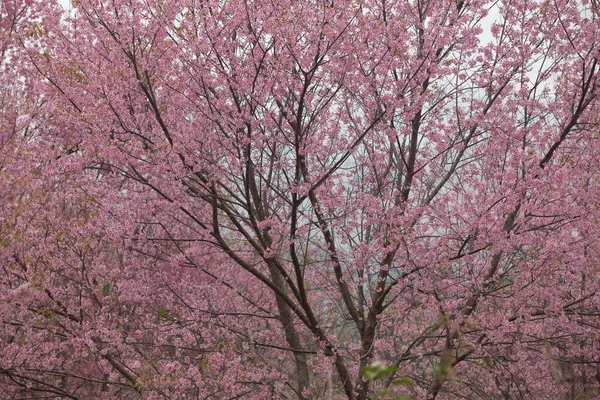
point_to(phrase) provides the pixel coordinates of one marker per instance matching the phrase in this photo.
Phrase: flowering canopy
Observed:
(262, 199)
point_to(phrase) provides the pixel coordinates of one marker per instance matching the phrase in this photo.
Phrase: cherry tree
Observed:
(304, 199)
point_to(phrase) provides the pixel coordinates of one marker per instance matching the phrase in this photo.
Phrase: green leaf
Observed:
(403, 381)
(377, 370)
(106, 289)
(369, 373)
(389, 370)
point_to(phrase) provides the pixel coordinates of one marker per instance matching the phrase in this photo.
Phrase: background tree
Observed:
(258, 199)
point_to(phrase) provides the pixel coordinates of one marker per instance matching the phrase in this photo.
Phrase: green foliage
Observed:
(403, 381)
(106, 289)
(377, 370)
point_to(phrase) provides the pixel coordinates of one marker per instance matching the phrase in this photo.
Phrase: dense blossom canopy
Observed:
(300, 199)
